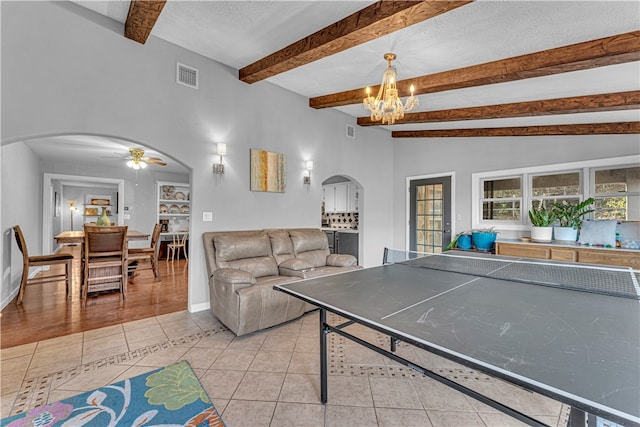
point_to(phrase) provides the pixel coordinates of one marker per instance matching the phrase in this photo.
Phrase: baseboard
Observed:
(7, 300)
(14, 291)
(194, 308)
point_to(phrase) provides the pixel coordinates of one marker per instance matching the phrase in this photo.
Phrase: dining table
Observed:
(77, 236)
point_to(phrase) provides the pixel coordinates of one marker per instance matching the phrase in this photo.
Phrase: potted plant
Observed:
(569, 217)
(541, 224)
(461, 241)
(483, 239)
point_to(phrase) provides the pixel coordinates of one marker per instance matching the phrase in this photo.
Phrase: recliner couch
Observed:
(243, 267)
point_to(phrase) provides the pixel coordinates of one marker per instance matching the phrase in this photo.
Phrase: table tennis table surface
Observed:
(581, 348)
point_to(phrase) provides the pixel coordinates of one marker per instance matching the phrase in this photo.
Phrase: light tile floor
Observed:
(269, 378)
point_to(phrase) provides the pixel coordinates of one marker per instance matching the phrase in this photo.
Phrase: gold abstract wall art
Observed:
(267, 171)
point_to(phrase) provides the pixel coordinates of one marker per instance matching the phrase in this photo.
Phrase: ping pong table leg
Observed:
(323, 356)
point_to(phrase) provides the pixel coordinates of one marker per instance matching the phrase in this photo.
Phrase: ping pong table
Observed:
(570, 332)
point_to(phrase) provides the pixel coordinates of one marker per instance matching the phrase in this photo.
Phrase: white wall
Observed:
(77, 74)
(469, 155)
(21, 205)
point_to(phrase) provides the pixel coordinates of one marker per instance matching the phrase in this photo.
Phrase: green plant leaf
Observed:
(174, 387)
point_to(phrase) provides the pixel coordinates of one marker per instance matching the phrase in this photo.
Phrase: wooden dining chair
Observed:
(179, 241)
(104, 260)
(40, 260)
(136, 255)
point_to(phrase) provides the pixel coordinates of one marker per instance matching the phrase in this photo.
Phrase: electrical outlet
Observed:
(207, 216)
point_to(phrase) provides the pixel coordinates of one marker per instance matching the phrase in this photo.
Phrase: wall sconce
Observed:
(72, 209)
(221, 149)
(308, 166)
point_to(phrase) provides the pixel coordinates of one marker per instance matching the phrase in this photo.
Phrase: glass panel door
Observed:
(430, 214)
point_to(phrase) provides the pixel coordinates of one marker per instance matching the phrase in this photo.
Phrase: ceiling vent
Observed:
(187, 76)
(351, 131)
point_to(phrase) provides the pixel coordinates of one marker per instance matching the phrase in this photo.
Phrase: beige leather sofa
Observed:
(243, 267)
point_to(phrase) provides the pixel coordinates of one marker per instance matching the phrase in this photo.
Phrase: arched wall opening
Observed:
(344, 217)
(74, 159)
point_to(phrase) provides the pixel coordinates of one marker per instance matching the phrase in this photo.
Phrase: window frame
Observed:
(530, 176)
(507, 199)
(586, 168)
(592, 185)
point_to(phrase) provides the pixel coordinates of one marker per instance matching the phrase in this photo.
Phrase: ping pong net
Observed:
(607, 280)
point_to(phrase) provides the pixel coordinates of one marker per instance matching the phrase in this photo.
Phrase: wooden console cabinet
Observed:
(570, 253)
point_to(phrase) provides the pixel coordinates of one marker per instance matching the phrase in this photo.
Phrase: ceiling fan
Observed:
(137, 161)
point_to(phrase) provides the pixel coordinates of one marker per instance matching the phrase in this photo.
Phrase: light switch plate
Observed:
(207, 216)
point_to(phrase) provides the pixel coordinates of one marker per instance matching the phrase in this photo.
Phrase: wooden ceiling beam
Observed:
(372, 22)
(141, 18)
(576, 129)
(577, 104)
(611, 50)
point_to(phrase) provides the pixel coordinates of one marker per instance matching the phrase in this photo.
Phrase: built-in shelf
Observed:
(174, 206)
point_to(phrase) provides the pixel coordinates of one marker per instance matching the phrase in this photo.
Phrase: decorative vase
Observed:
(541, 234)
(103, 219)
(566, 234)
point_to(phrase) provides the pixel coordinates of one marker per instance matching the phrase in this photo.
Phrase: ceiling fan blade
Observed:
(155, 161)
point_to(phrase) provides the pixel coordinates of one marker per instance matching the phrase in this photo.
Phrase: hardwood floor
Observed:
(45, 312)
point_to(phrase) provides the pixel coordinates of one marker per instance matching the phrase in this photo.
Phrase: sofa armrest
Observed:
(341, 260)
(233, 278)
(294, 267)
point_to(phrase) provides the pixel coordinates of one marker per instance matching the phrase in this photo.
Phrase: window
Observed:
(554, 188)
(503, 198)
(617, 193)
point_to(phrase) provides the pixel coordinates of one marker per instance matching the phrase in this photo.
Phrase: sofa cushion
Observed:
(341, 260)
(311, 246)
(249, 253)
(308, 240)
(296, 264)
(295, 267)
(281, 245)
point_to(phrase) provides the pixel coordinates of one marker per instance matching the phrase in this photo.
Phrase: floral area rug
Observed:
(170, 396)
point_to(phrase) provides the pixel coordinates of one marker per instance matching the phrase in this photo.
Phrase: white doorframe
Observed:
(47, 201)
(407, 208)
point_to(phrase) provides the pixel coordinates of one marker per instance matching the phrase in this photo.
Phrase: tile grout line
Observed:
(35, 391)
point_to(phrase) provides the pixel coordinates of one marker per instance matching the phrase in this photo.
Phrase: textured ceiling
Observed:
(237, 33)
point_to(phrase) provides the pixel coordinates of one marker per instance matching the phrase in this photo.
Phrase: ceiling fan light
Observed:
(130, 164)
(142, 164)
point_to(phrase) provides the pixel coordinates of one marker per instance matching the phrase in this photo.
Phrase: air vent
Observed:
(187, 76)
(351, 131)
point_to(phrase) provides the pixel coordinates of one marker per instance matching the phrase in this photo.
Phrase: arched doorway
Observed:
(342, 201)
(83, 160)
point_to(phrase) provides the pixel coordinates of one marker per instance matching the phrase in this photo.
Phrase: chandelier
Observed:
(387, 106)
(136, 161)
